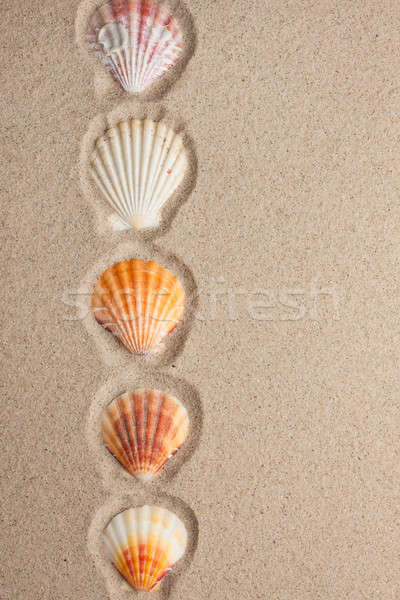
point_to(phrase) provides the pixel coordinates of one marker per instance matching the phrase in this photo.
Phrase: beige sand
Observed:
(290, 489)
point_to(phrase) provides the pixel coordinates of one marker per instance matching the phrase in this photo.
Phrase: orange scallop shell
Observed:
(142, 429)
(139, 302)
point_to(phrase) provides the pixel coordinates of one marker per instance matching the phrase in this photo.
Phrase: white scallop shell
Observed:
(144, 543)
(138, 165)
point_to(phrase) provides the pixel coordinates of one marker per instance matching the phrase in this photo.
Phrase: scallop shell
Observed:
(143, 429)
(137, 40)
(144, 544)
(138, 165)
(139, 302)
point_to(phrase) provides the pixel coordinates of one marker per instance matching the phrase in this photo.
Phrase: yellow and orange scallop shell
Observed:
(142, 429)
(139, 302)
(144, 543)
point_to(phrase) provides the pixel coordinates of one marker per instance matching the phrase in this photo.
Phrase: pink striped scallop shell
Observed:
(137, 40)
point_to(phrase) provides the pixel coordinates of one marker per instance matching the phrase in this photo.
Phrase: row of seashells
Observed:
(137, 165)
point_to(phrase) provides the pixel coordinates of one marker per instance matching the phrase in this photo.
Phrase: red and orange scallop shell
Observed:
(142, 429)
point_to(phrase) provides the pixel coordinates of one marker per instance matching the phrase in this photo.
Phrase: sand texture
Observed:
(285, 235)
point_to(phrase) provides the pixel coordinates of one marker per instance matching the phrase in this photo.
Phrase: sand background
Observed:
(290, 483)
